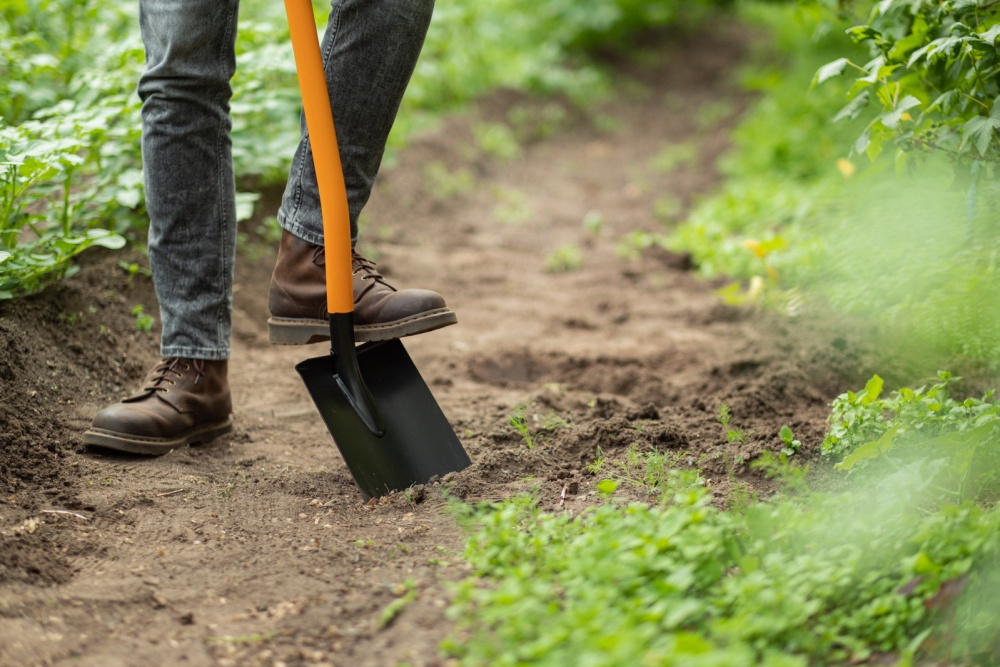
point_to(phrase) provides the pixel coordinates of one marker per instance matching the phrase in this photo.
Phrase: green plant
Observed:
(395, 608)
(791, 444)
(496, 140)
(832, 579)
(732, 434)
(567, 257)
(593, 221)
(933, 79)
(631, 245)
(518, 422)
(444, 183)
(952, 442)
(143, 321)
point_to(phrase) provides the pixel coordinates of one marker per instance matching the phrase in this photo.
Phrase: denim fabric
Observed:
(369, 50)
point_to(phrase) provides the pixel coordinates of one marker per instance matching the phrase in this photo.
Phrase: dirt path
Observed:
(258, 549)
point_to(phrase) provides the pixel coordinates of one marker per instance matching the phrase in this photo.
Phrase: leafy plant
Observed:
(932, 82)
(143, 321)
(831, 581)
(732, 434)
(566, 257)
(518, 422)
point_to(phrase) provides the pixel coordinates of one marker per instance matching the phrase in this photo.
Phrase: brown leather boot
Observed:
(182, 401)
(297, 300)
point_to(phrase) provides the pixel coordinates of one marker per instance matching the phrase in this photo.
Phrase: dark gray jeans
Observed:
(369, 50)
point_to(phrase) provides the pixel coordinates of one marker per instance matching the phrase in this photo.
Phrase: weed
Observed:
(496, 140)
(143, 321)
(564, 258)
(593, 221)
(519, 423)
(779, 467)
(394, 608)
(732, 434)
(631, 245)
(444, 183)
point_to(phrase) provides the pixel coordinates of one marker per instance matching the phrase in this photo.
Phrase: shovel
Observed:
(380, 412)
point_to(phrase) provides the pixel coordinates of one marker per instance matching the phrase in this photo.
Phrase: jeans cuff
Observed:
(206, 353)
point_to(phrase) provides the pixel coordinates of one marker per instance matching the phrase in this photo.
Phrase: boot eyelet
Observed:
(187, 367)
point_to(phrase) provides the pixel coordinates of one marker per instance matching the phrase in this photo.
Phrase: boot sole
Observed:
(123, 442)
(290, 331)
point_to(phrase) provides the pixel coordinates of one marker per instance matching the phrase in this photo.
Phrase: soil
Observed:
(258, 548)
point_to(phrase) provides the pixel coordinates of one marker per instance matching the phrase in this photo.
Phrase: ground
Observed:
(258, 548)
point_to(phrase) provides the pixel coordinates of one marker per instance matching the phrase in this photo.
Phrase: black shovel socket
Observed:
(389, 429)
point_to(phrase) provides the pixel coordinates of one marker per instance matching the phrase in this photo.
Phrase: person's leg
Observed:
(370, 48)
(369, 51)
(190, 59)
(187, 158)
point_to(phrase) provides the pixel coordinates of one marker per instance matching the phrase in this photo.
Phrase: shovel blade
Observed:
(418, 442)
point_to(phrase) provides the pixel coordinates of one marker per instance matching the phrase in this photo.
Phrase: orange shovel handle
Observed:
(326, 155)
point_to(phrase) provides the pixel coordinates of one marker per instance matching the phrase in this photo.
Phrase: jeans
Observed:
(369, 51)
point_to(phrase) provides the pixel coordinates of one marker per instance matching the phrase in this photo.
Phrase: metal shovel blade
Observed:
(418, 442)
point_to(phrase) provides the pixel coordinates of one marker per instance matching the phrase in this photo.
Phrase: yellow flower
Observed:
(846, 167)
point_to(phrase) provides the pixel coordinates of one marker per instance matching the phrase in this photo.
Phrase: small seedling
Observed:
(732, 434)
(593, 221)
(143, 321)
(791, 444)
(496, 140)
(519, 423)
(564, 258)
(444, 183)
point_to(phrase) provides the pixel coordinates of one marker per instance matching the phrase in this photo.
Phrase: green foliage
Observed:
(953, 442)
(143, 321)
(932, 81)
(799, 224)
(833, 581)
(655, 473)
(68, 153)
(566, 257)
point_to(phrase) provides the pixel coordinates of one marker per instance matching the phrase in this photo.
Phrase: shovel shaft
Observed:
(326, 156)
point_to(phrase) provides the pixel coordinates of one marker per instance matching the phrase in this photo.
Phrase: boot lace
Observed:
(173, 367)
(359, 264)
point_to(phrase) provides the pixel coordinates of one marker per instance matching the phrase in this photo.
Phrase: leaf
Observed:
(830, 70)
(991, 35)
(106, 239)
(980, 130)
(853, 108)
(607, 487)
(870, 450)
(786, 434)
(891, 119)
(4, 256)
(873, 388)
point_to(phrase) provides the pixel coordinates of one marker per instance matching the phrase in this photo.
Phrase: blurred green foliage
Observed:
(803, 220)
